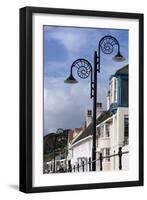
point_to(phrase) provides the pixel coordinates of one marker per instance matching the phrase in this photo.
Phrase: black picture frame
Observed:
(26, 91)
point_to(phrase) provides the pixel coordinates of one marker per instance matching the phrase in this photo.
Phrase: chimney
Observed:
(108, 100)
(88, 117)
(99, 109)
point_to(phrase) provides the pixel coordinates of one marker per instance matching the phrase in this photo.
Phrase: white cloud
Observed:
(65, 107)
(73, 41)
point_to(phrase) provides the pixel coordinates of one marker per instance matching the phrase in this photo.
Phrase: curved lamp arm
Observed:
(107, 45)
(84, 69)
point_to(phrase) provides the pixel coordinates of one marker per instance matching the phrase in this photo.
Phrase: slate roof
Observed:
(84, 134)
(123, 70)
(88, 131)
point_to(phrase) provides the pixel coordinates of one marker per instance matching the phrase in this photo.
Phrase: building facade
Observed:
(81, 145)
(112, 126)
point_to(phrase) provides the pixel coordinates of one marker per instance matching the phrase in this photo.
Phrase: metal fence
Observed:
(83, 167)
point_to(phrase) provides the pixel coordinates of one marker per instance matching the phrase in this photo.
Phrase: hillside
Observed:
(60, 145)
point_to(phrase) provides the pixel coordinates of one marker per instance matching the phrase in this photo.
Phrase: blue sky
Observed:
(65, 106)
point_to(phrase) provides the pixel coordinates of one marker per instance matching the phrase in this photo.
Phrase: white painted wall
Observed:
(120, 123)
(117, 135)
(115, 140)
(82, 149)
(112, 97)
(125, 158)
(88, 118)
(104, 142)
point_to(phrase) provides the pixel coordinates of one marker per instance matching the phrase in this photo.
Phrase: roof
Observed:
(70, 136)
(78, 129)
(84, 134)
(105, 115)
(123, 70)
(88, 131)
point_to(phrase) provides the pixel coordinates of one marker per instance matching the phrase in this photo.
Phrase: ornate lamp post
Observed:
(84, 69)
(58, 132)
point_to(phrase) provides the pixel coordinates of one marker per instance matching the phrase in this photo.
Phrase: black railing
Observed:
(83, 166)
(87, 166)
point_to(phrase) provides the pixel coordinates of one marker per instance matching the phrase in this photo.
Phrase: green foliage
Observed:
(57, 143)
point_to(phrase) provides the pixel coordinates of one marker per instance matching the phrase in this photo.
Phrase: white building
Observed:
(112, 125)
(81, 147)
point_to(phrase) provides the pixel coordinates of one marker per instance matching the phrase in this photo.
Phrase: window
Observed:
(98, 131)
(89, 112)
(107, 127)
(102, 131)
(103, 152)
(108, 154)
(126, 129)
(125, 92)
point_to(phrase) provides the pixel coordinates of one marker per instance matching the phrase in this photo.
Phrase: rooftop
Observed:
(123, 70)
(88, 131)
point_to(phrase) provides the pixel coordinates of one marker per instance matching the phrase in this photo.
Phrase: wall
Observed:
(120, 123)
(9, 53)
(125, 158)
(82, 150)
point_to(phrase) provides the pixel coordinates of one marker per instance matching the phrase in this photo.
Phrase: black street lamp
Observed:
(58, 132)
(84, 69)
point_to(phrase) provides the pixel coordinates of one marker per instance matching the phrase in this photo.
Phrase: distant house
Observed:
(112, 127)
